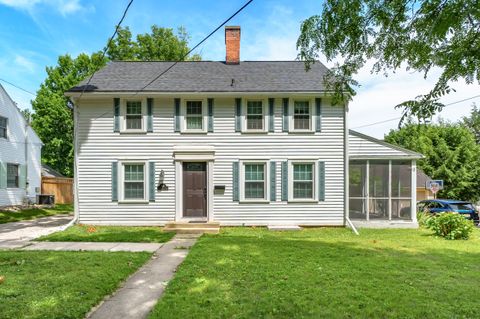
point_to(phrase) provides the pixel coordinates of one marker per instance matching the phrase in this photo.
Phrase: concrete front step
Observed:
(193, 228)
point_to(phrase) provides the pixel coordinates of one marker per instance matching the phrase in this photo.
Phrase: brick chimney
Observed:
(232, 43)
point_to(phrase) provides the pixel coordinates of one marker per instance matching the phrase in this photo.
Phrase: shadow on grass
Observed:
(33, 213)
(307, 275)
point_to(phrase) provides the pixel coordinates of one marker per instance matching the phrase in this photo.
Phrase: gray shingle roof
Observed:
(208, 76)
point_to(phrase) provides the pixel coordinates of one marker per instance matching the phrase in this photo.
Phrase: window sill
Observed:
(306, 200)
(301, 132)
(140, 201)
(193, 132)
(254, 201)
(133, 132)
(254, 132)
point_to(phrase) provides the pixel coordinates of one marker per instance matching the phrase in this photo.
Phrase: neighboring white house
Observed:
(20, 152)
(239, 143)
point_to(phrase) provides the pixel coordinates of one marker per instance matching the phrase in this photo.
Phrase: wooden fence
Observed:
(61, 187)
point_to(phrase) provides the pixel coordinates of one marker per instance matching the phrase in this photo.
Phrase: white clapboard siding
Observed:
(99, 146)
(21, 147)
(366, 147)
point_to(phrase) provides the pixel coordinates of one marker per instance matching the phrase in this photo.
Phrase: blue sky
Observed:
(35, 32)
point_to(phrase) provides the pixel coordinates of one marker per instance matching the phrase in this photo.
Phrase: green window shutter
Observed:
(285, 181)
(177, 114)
(235, 181)
(22, 176)
(149, 115)
(271, 114)
(210, 115)
(3, 175)
(238, 112)
(321, 181)
(151, 176)
(114, 182)
(273, 181)
(285, 115)
(318, 113)
(116, 114)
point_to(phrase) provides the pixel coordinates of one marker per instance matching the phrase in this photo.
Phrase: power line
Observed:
(108, 44)
(196, 46)
(397, 118)
(18, 87)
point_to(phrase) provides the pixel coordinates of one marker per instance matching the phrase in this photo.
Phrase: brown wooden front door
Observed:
(194, 189)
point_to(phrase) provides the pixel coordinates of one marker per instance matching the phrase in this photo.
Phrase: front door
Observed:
(194, 189)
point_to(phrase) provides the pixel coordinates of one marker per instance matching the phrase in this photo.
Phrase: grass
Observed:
(33, 213)
(111, 234)
(41, 284)
(325, 273)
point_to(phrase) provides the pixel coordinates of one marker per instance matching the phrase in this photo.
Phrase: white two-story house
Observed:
(235, 142)
(20, 156)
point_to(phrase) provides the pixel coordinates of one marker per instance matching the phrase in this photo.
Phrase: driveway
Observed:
(17, 234)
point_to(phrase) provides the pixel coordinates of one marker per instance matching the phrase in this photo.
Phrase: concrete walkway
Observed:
(18, 234)
(139, 294)
(91, 246)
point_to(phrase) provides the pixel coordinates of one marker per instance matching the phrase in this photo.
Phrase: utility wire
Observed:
(397, 118)
(18, 87)
(108, 44)
(196, 46)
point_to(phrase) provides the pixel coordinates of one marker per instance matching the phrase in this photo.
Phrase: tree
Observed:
(451, 154)
(416, 35)
(162, 44)
(53, 119)
(473, 122)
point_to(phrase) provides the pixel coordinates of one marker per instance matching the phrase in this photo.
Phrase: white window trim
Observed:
(123, 118)
(265, 115)
(291, 124)
(314, 199)
(18, 175)
(6, 128)
(242, 181)
(121, 184)
(183, 117)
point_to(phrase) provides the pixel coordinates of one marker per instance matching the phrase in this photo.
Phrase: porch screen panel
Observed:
(357, 189)
(401, 190)
(378, 189)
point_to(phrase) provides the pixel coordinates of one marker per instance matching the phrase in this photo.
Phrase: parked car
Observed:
(437, 206)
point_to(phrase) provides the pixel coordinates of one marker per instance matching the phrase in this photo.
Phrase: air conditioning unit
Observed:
(45, 199)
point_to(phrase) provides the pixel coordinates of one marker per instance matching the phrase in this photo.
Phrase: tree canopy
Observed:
(451, 153)
(53, 119)
(415, 35)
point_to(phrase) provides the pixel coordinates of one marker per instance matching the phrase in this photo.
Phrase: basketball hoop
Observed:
(435, 187)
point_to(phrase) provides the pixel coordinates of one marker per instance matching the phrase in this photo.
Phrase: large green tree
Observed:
(451, 153)
(473, 121)
(416, 35)
(53, 119)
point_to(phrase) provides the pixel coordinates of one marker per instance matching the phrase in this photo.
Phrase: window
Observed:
(254, 181)
(254, 116)
(134, 181)
(12, 175)
(303, 180)
(301, 115)
(133, 115)
(3, 127)
(194, 116)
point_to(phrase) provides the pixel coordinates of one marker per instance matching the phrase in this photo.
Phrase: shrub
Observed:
(450, 226)
(422, 218)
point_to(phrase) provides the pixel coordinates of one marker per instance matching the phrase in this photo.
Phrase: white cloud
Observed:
(24, 63)
(64, 7)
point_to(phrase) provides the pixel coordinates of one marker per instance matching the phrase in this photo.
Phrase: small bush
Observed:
(450, 226)
(422, 218)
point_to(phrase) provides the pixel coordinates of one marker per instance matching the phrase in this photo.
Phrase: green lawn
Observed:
(111, 234)
(32, 213)
(45, 284)
(325, 273)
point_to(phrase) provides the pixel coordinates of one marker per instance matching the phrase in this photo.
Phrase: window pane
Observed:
(3, 127)
(194, 107)
(401, 209)
(254, 190)
(12, 175)
(134, 108)
(303, 190)
(134, 122)
(357, 179)
(302, 172)
(378, 178)
(401, 179)
(134, 190)
(378, 208)
(194, 122)
(254, 172)
(134, 172)
(357, 208)
(254, 181)
(301, 115)
(254, 115)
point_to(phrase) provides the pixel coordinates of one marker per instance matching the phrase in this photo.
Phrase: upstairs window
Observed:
(3, 127)
(194, 116)
(12, 176)
(254, 116)
(134, 116)
(301, 116)
(134, 181)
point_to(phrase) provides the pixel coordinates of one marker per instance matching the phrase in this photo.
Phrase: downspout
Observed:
(346, 164)
(26, 161)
